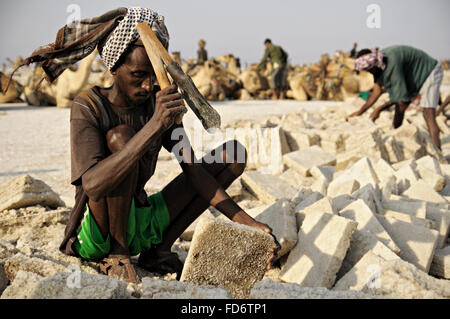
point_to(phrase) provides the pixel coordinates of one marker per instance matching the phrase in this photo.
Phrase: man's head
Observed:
(267, 42)
(134, 75)
(124, 54)
(372, 61)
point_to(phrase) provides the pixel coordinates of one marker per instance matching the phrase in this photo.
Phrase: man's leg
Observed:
(185, 205)
(429, 114)
(111, 213)
(441, 107)
(400, 109)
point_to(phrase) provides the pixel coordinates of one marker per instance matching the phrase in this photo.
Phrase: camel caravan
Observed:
(218, 79)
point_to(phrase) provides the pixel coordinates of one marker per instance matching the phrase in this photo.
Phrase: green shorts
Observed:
(145, 228)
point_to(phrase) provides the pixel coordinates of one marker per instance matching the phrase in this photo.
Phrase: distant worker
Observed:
(278, 58)
(405, 73)
(354, 51)
(202, 54)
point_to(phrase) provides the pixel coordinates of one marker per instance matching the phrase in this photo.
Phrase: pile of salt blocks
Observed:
(356, 206)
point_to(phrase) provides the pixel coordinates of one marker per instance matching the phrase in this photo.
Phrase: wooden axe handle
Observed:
(151, 45)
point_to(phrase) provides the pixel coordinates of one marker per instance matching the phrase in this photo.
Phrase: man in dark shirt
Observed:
(202, 54)
(116, 134)
(404, 72)
(354, 51)
(278, 57)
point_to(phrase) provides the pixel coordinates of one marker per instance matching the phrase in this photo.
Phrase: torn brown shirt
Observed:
(92, 115)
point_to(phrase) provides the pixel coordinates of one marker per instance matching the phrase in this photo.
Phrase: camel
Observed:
(231, 63)
(253, 81)
(14, 90)
(70, 83)
(215, 82)
(64, 89)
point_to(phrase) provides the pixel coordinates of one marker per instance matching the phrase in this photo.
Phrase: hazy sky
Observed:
(305, 29)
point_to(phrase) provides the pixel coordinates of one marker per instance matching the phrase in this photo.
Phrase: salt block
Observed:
(400, 279)
(421, 190)
(367, 221)
(271, 142)
(383, 170)
(322, 205)
(341, 186)
(301, 195)
(66, 285)
(363, 172)
(364, 273)
(305, 159)
(227, 254)
(339, 202)
(430, 163)
(280, 217)
(422, 222)
(269, 289)
(298, 140)
(406, 176)
(323, 171)
(255, 211)
(36, 265)
(361, 243)
(189, 232)
(308, 201)
(416, 243)
(436, 181)
(370, 196)
(322, 243)
(26, 191)
(292, 177)
(440, 266)
(414, 208)
(267, 188)
(437, 213)
(441, 223)
(343, 160)
(163, 289)
(235, 189)
(445, 169)
(320, 185)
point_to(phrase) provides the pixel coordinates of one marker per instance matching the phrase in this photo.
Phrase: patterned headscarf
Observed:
(367, 61)
(111, 32)
(126, 33)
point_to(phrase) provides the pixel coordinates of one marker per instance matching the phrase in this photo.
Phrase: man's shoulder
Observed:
(85, 104)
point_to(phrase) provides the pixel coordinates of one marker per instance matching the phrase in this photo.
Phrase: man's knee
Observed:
(236, 156)
(118, 136)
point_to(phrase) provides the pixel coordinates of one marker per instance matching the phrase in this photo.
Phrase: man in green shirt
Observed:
(278, 58)
(404, 72)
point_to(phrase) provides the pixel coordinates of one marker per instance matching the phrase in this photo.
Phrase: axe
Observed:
(162, 62)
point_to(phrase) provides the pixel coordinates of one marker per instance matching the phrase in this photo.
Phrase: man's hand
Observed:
(375, 115)
(243, 218)
(354, 114)
(169, 104)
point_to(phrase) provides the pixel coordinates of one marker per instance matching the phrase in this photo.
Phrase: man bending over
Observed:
(405, 73)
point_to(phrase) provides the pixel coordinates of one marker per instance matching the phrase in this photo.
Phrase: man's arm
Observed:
(264, 59)
(376, 93)
(210, 190)
(106, 175)
(376, 113)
